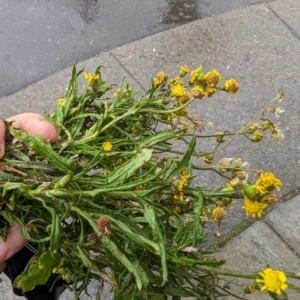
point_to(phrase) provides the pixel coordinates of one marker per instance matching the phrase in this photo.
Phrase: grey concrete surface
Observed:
(38, 38)
(259, 46)
(251, 251)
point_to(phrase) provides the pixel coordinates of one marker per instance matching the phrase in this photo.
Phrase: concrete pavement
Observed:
(259, 45)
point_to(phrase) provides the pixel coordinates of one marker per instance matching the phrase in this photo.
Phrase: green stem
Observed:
(167, 111)
(230, 273)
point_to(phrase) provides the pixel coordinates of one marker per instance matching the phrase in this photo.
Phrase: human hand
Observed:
(33, 124)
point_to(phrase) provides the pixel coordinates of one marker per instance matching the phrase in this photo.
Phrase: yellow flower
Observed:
(178, 90)
(125, 92)
(183, 112)
(160, 78)
(176, 208)
(185, 98)
(120, 161)
(176, 80)
(184, 70)
(195, 74)
(61, 101)
(269, 198)
(182, 183)
(212, 78)
(156, 82)
(92, 79)
(231, 86)
(268, 181)
(272, 281)
(184, 178)
(253, 207)
(198, 92)
(107, 146)
(210, 91)
(219, 213)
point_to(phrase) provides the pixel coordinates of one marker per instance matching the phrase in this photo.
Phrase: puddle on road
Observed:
(88, 10)
(179, 11)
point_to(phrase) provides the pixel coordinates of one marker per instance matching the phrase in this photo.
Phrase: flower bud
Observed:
(266, 125)
(251, 193)
(184, 70)
(217, 233)
(235, 182)
(208, 158)
(219, 137)
(250, 289)
(256, 137)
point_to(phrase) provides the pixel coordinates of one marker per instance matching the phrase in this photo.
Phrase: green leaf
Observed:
(135, 237)
(49, 261)
(123, 172)
(198, 229)
(156, 139)
(37, 271)
(55, 232)
(111, 246)
(149, 214)
(184, 162)
(179, 292)
(43, 148)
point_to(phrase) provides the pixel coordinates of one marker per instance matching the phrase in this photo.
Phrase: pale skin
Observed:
(33, 124)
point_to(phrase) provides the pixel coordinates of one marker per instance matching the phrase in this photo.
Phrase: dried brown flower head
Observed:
(104, 224)
(93, 239)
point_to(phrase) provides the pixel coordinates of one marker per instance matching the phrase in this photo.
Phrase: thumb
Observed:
(2, 138)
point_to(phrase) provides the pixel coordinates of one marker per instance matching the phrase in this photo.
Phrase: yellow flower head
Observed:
(178, 90)
(107, 146)
(272, 281)
(253, 207)
(92, 79)
(125, 92)
(269, 198)
(160, 78)
(61, 102)
(184, 70)
(268, 181)
(219, 213)
(212, 78)
(195, 74)
(210, 91)
(231, 86)
(185, 98)
(198, 92)
(182, 183)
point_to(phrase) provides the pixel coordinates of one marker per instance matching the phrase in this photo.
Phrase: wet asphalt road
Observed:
(39, 37)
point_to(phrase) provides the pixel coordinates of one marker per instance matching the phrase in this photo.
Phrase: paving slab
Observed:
(251, 251)
(288, 11)
(285, 220)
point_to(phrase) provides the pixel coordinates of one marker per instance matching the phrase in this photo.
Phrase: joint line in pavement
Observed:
(124, 67)
(289, 27)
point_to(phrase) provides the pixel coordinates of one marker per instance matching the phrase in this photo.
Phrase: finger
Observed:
(2, 139)
(34, 124)
(14, 243)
